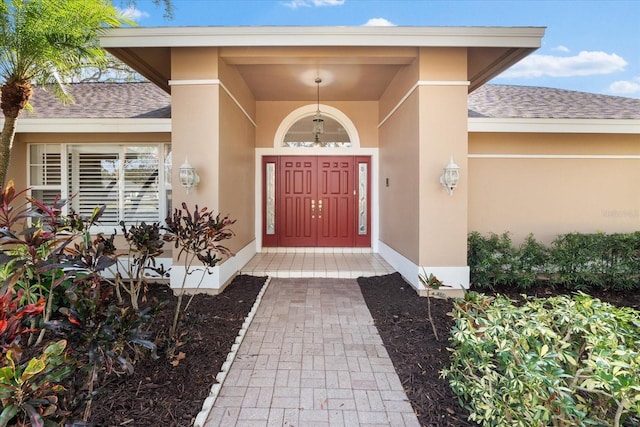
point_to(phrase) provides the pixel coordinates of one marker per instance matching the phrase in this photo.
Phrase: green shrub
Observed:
(560, 361)
(574, 261)
(491, 259)
(585, 261)
(531, 259)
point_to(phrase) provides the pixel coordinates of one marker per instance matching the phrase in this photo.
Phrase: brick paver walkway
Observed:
(312, 357)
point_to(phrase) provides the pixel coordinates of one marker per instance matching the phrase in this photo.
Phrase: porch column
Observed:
(195, 135)
(443, 88)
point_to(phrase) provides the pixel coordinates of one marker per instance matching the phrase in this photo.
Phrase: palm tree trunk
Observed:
(14, 98)
(6, 142)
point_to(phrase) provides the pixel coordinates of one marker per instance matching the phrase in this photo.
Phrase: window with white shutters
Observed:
(45, 171)
(128, 179)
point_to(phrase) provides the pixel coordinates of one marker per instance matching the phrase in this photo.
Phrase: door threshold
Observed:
(299, 250)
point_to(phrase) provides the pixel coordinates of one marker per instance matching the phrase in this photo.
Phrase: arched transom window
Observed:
(299, 129)
(305, 133)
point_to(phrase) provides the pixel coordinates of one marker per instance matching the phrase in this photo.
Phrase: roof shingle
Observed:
(520, 102)
(104, 100)
(145, 100)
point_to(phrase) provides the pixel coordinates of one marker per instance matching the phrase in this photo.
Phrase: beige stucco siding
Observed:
(17, 170)
(400, 167)
(443, 135)
(424, 114)
(237, 87)
(195, 123)
(553, 184)
(194, 63)
(400, 164)
(237, 171)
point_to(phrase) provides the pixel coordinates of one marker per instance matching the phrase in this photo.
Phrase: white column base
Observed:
(215, 278)
(455, 277)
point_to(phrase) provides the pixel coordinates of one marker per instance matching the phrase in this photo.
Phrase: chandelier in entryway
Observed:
(318, 121)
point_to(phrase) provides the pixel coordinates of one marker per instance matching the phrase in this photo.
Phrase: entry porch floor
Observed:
(339, 263)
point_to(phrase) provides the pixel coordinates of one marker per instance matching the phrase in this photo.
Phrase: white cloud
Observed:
(133, 14)
(625, 87)
(294, 4)
(379, 22)
(583, 64)
(561, 48)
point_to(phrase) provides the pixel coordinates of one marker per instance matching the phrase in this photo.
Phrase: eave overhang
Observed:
(586, 126)
(125, 125)
(148, 50)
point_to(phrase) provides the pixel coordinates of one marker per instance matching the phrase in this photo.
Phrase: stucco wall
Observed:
(559, 193)
(18, 164)
(400, 168)
(443, 134)
(443, 217)
(237, 158)
(400, 165)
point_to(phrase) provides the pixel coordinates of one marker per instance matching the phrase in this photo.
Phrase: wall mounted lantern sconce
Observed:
(189, 178)
(450, 176)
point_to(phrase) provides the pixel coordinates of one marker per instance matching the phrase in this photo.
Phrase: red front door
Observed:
(336, 201)
(316, 202)
(298, 201)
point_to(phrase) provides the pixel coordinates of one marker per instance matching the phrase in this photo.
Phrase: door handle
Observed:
(320, 208)
(313, 209)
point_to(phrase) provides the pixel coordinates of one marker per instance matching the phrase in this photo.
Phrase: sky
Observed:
(591, 46)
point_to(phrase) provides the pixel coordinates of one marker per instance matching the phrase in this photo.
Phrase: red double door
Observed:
(317, 202)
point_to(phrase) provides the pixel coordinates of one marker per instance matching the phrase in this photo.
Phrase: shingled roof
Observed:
(104, 101)
(145, 100)
(520, 102)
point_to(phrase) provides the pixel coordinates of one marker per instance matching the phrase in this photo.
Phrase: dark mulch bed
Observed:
(159, 394)
(401, 318)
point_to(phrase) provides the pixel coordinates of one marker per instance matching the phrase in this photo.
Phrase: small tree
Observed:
(196, 236)
(431, 283)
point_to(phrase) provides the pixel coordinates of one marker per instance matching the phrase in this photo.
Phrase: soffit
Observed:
(347, 73)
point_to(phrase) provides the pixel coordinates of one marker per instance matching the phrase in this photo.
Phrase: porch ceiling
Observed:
(281, 63)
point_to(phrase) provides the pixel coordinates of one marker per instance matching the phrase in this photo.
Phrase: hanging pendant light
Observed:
(318, 121)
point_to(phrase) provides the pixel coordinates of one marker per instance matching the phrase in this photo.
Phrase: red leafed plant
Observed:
(14, 317)
(196, 235)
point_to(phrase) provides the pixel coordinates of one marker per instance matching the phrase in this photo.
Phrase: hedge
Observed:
(575, 261)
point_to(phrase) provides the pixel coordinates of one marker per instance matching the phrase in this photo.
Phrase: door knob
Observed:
(313, 209)
(320, 208)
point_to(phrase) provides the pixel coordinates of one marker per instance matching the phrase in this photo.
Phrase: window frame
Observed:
(66, 151)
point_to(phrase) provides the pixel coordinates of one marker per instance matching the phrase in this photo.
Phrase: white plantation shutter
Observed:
(141, 185)
(128, 179)
(94, 180)
(45, 171)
